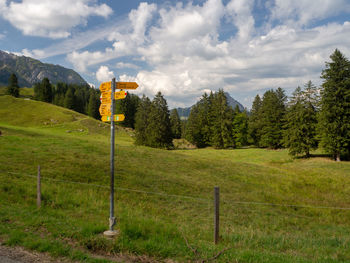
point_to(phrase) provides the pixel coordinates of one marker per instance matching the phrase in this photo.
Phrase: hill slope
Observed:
(30, 71)
(273, 208)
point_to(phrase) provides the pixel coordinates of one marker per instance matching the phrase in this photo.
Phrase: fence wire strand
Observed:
(230, 202)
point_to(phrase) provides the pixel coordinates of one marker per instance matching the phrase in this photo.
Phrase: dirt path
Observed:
(19, 255)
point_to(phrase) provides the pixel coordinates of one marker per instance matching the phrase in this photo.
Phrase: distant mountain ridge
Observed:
(185, 112)
(30, 71)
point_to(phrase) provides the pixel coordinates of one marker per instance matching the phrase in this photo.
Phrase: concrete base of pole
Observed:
(111, 233)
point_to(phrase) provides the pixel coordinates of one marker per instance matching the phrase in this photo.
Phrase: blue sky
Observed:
(182, 48)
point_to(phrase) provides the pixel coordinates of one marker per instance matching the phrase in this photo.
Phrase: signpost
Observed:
(117, 117)
(108, 97)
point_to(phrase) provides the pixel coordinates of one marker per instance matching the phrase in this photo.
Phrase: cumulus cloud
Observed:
(104, 74)
(48, 18)
(187, 53)
(123, 44)
(302, 12)
(126, 65)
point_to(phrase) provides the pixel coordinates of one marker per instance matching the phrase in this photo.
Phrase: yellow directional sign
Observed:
(105, 109)
(126, 85)
(106, 86)
(118, 95)
(117, 117)
(106, 99)
(106, 95)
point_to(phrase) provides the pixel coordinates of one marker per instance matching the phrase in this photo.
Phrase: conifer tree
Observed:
(142, 120)
(255, 121)
(94, 104)
(13, 88)
(38, 91)
(159, 130)
(335, 106)
(272, 117)
(175, 124)
(240, 128)
(301, 121)
(46, 90)
(128, 107)
(221, 121)
(69, 100)
(197, 128)
(79, 95)
(193, 128)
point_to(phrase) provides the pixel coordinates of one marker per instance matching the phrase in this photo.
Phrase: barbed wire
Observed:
(232, 202)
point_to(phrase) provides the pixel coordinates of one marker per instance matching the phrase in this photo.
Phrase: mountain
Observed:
(185, 112)
(30, 71)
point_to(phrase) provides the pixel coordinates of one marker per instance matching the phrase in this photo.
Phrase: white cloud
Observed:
(302, 12)
(126, 65)
(187, 53)
(240, 12)
(124, 44)
(104, 74)
(139, 19)
(52, 19)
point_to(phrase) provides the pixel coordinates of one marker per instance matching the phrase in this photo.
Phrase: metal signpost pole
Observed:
(111, 232)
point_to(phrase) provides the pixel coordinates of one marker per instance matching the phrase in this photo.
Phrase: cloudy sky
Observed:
(182, 48)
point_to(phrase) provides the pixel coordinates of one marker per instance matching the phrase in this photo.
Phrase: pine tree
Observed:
(159, 130)
(255, 122)
(142, 120)
(79, 95)
(175, 124)
(13, 88)
(272, 117)
(69, 99)
(193, 128)
(221, 121)
(301, 121)
(128, 107)
(198, 128)
(94, 104)
(335, 106)
(46, 89)
(240, 128)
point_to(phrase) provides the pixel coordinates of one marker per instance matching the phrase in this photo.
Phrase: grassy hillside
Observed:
(156, 215)
(23, 92)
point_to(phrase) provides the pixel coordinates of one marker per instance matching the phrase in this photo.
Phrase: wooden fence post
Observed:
(38, 189)
(216, 213)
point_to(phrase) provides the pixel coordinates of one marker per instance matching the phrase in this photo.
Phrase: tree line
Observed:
(310, 118)
(81, 98)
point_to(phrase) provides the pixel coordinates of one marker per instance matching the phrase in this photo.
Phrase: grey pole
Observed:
(216, 213)
(111, 211)
(111, 232)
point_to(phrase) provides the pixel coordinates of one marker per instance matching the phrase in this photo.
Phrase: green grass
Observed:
(75, 148)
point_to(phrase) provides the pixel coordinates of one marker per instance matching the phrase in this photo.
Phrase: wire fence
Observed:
(195, 212)
(226, 201)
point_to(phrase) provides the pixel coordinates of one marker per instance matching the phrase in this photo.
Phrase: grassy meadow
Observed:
(273, 208)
